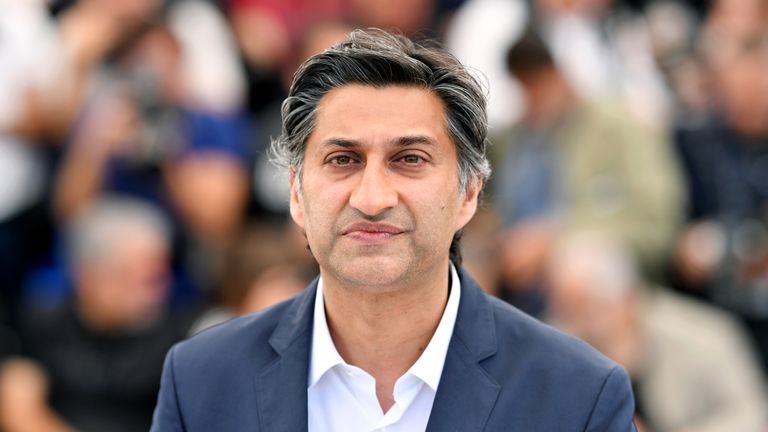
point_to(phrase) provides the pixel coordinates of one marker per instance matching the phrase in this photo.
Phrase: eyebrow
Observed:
(405, 141)
(402, 141)
(341, 142)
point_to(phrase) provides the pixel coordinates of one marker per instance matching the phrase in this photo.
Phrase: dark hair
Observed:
(376, 58)
(528, 54)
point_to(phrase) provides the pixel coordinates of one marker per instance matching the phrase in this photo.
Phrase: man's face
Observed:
(744, 86)
(380, 199)
(129, 283)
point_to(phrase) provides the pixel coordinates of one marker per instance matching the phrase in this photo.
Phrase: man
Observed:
(93, 363)
(722, 253)
(572, 164)
(385, 142)
(692, 365)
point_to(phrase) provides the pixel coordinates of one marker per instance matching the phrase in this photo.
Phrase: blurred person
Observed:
(45, 66)
(94, 364)
(603, 48)
(145, 134)
(385, 144)
(573, 164)
(270, 184)
(416, 19)
(267, 266)
(674, 30)
(480, 249)
(144, 120)
(210, 68)
(605, 51)
(45, 85)
(722, 254)
(494, 25)
(730, 22)
(270, 30)
(672, 27)
(409, 17)
(691, 82)
(269, 33)
(692, 365)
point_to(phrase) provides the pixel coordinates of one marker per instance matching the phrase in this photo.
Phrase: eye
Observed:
(411, 159)
(341, 160)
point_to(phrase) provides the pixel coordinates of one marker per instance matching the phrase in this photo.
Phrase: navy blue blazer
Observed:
(504, 371)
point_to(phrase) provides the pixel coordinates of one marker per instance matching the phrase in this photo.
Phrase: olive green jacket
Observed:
(617, 175)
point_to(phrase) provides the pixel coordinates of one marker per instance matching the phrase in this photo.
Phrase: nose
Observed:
(374, 192)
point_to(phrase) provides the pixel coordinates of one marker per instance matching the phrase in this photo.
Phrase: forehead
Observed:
(371, 114)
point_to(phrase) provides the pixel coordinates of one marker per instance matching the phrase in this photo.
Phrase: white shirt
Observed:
(342, 397)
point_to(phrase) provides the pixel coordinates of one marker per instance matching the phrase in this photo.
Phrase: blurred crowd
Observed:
(628, 204)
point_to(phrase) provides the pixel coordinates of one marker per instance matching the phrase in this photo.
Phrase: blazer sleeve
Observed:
(614, 407)
(167, 416)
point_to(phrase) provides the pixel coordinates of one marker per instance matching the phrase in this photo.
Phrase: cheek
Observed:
(435, 209)
(321, 206)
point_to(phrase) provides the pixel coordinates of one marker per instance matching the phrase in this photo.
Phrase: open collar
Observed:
(428, 367)
(281, 386)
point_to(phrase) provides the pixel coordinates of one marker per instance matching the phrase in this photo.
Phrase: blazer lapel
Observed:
(281, 387)
(466, 393)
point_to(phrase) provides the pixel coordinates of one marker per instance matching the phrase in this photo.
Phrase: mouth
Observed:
(370, 232)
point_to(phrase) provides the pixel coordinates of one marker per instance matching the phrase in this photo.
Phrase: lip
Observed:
(370, 232)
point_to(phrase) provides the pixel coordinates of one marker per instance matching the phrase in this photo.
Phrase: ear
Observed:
(469, 200)
(297, 207)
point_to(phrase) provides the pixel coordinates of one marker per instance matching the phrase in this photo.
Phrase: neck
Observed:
(101, 321)
(384, 332)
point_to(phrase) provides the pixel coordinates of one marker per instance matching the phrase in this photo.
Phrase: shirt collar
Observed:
(428, 367)
(324, 353)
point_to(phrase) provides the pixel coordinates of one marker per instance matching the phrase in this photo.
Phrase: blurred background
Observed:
(628, 204)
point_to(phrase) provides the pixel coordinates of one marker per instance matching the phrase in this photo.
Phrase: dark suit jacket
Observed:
(504, 371)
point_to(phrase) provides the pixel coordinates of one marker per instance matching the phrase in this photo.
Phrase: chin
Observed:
(374, 272)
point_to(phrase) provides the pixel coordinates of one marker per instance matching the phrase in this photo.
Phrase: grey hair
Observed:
(95, 230)
(376, 58)
(610, 263)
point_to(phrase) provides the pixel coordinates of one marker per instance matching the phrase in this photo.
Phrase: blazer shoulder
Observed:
(520, 335)
(533, 376)
(244, 338)
(583, 389)
(210, 377)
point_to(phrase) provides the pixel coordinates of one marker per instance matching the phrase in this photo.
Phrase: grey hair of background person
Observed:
(611, 267)
(96, 231)
(376, 58)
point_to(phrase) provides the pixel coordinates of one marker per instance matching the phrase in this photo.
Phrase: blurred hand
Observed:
(88, 32)
(700, 249)
(640, 425)
(109, 127)
(130, 12)
(23, 399)
(524, 250)
(210, 191)
(92, 28)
